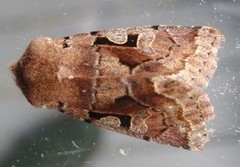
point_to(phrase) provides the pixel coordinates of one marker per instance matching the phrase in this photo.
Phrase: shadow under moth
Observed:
(144, 81)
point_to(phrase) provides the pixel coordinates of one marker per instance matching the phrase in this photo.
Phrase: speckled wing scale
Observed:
(144, 81)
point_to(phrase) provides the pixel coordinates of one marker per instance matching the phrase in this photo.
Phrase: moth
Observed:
(143, 81)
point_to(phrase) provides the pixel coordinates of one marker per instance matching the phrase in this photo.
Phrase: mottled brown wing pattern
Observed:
(143, 81)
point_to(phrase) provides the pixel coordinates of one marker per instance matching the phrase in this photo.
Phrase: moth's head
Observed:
(36, 72)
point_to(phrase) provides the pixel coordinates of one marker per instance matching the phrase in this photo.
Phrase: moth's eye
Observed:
(131, 41)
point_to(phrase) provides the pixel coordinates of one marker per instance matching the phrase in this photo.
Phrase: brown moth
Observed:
(144, 82)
